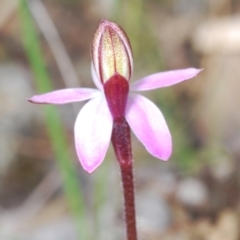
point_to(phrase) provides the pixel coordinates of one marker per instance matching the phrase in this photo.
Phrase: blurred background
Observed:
(45, 194)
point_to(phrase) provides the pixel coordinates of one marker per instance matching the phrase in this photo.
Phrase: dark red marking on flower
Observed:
(121, 140)
(116, 92)
(101, 49)
(111, 33)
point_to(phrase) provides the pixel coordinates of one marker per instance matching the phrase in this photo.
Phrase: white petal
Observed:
(93, 129)
(65, 96)
(164, 79)
(149, 125)
(96, 80)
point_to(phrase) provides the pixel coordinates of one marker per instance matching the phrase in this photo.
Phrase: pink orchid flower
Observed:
(112, 66)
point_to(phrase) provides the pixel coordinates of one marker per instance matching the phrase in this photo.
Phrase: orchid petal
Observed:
(111, 51)
(65, 96)
(148, 124)
(93, 129)
(164, 79)
(95, 78)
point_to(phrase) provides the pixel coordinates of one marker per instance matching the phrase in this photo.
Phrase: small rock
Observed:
(192, 192)
(153, 212)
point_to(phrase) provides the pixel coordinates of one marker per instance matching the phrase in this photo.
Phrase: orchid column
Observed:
(113, 109)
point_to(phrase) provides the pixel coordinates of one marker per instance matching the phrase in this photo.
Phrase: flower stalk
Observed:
(121, 141)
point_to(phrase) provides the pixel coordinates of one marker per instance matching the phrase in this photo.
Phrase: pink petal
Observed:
(148, 124)
(96, 80)
(93, 129)
(164, 79)
(65, 96)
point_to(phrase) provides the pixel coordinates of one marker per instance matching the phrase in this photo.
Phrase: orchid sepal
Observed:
(111, 52)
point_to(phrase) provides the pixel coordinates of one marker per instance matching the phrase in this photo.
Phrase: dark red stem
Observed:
(116, 91)
(122, 145)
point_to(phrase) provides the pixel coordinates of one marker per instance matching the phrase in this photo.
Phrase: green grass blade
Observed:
(53, 123)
